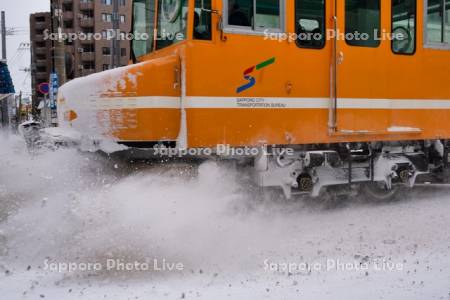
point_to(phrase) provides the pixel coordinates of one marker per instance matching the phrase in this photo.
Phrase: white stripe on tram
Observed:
(192, 102)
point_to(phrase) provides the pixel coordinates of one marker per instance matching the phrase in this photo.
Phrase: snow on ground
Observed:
(65, 207)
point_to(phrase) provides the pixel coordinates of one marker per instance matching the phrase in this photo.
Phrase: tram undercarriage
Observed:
(380, 170)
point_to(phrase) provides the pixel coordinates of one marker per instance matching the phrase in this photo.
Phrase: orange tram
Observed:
(355, 93)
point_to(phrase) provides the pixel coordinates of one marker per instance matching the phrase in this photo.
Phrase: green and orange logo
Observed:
(251, 81)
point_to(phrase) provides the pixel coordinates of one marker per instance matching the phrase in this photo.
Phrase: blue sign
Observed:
(43, 88)
(53, 89)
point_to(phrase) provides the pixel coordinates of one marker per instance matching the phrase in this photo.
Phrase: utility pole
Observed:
(3, 25)
(115, 53)
(19, 113)
(59, 52)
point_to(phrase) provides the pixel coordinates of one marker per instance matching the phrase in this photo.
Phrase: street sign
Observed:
(53, 89)
(43, 88)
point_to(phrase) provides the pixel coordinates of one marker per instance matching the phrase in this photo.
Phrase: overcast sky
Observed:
(17, 16)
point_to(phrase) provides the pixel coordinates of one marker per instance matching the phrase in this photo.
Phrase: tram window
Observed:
(447, 23)
(267, 14)
(240, 12)
(362, 22)
(172, 17)
(434, 21)
(404, 26)
(143, 25)
(257, 15)
(202, 20)
(438, 23)
(310, 23)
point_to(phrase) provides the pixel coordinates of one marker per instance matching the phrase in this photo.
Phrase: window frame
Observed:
(108, 52)
(187, 5)
(415, 31)
(211, 25)
(152, 49)
(324, 28)
(426, 43)
(107, 17)
(380, 28)
(250, 30)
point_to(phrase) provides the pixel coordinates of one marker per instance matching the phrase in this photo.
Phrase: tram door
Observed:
(361, 66)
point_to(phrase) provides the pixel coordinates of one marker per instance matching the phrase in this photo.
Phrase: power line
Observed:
(20, 52)
(16, 31)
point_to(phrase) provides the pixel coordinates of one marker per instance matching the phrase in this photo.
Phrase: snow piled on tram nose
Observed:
(82, 95)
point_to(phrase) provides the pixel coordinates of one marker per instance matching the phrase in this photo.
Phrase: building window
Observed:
(122, 18)
(404, 26)
(67, 7)
(123, 52)
(106, 51)
(438, 23)
(254, 15)
(362, 23)
(202, 20)
(105, 67)
(143, 23)
(107, 2)
(87, 14)
(310, 23)
(68, 24)
(123, 2)
(88, 49)
(107, 34)
(89, 66)
(106, 17)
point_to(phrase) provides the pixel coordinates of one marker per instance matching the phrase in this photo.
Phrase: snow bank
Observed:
(66, 206)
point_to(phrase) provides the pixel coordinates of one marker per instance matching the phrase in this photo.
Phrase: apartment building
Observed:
(41, 54)
(83, 57)
(91, 17)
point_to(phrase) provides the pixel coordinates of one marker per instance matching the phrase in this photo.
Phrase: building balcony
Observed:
(69, 30)
(68, 15)
(40, 50)
(42, 75)
(70, 48)
(41, 62)
(87, 72)
(38, 37)
(40, 25)
(87, 22)
(87, 5)
(87, 42)
(88, 56)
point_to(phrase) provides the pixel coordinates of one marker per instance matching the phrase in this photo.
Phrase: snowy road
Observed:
(220, 241)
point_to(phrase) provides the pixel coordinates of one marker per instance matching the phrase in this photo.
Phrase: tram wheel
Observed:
(378, 192)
